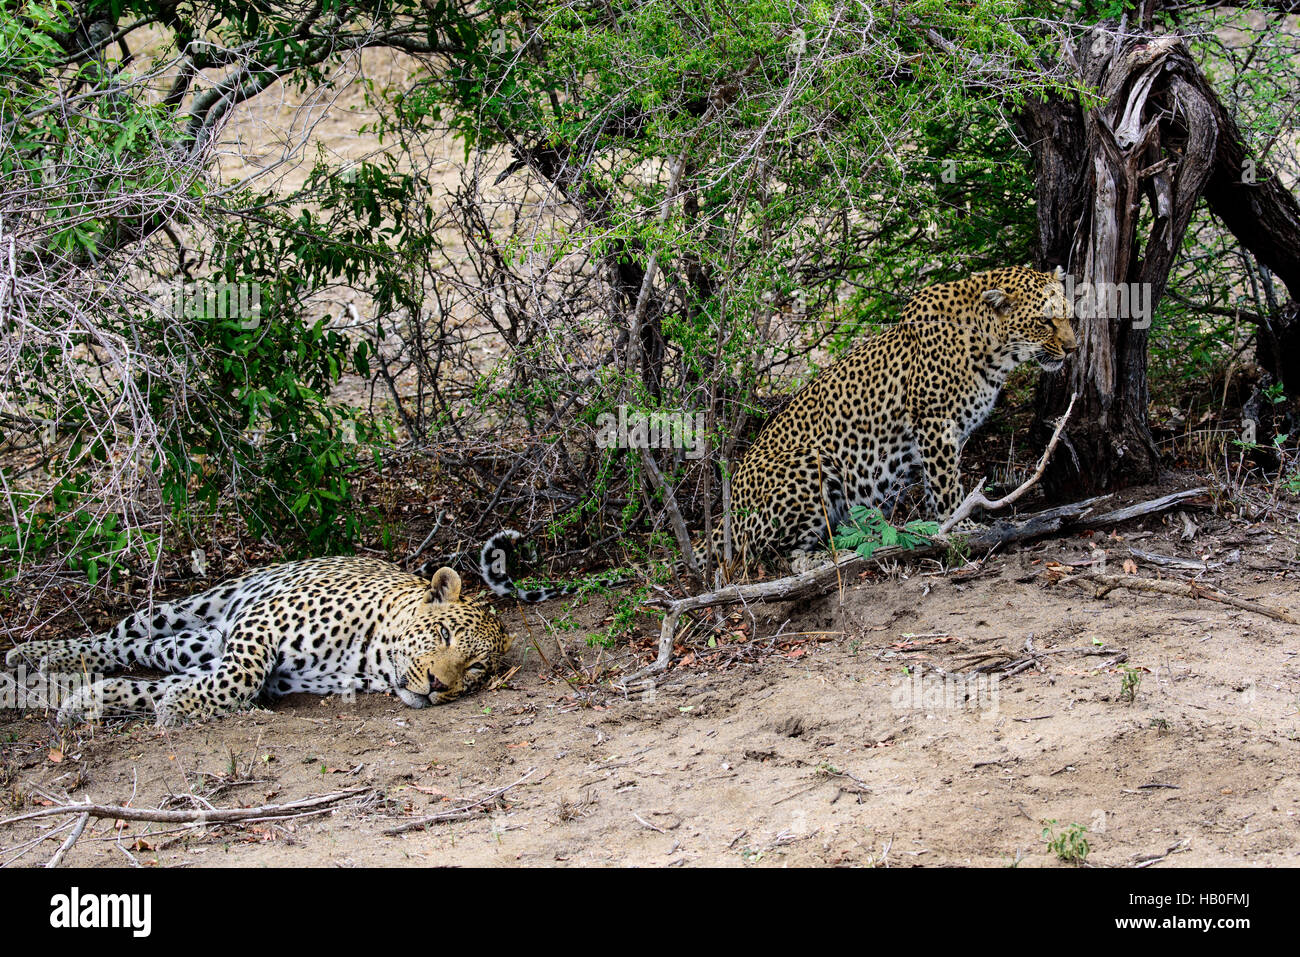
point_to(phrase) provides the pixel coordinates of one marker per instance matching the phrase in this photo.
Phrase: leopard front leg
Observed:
(941, 462)
(233, 685)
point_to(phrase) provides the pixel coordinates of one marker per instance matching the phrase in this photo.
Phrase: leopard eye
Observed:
(446, 635)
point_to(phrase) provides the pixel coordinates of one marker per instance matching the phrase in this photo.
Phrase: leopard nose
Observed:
(435, 684)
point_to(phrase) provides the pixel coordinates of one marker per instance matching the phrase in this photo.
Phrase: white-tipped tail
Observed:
(493, 564)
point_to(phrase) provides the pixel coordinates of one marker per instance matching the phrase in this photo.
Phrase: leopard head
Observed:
(449, 646)
(1032, 312)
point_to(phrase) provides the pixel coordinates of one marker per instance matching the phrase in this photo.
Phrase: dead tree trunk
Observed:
(1152, 137)
(1158, 136)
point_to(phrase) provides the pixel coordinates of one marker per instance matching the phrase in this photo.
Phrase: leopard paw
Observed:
(86, 704)
(801, 562)
(181, 705)
(28, 653)
(194, 700)
(115, 698)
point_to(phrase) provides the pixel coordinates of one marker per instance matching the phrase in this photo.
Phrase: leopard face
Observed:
(449, 646)
(1034, 313)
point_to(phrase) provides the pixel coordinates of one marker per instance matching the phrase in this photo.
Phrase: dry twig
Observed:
(1164, 586)
(218, 815)
(976, 498)
(460, 813)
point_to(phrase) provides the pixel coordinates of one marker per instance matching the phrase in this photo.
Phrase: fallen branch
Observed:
(458, 813)
(217, 815)
(66, 846)
(1144, 508)
(1009, 663)
(1167, 586)
(1168, 561)
(817, 581)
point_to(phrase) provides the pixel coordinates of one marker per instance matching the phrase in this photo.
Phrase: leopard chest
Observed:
(978, 389)
(974, 407)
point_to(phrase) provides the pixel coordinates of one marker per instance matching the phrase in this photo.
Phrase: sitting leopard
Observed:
(901, 402)
(322, 625)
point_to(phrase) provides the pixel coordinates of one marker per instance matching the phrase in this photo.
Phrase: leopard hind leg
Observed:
(186, 655)
(169, 637)
(797, 498)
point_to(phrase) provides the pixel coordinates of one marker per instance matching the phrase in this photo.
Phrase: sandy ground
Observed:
(808, 744)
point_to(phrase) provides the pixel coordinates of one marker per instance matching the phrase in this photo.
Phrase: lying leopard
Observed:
(322, 625)
(899, 406)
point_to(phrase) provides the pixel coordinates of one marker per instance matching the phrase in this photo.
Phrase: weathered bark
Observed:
(1159, 135)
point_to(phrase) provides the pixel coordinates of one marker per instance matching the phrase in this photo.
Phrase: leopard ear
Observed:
(997, 299)
(1059, 272)
(445, 587)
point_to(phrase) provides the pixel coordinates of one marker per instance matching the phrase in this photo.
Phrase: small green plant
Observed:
(958, 552)
(1129, 682)
(566, 622)
(624, 619)
(1070, 845)
(1288, 477)
(868, 530)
